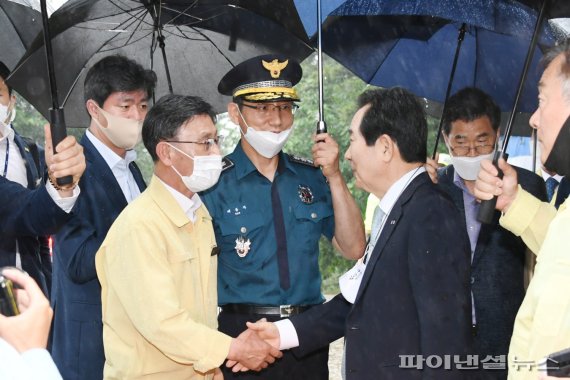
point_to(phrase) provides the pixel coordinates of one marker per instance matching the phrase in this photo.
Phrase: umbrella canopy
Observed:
(417, 52)
(555, 9)
(203, 40)
(20, 25)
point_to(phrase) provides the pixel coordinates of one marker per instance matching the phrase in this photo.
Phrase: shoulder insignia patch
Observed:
(227, 164)
(301, 160)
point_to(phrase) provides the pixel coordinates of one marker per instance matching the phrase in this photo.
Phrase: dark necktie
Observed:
(137, 175)
(280, 236)
(551, 184)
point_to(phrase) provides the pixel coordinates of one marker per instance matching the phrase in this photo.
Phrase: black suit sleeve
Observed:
(321, 325)
(532, 183)
(25, 212)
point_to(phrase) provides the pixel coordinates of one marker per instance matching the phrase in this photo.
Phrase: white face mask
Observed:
(266, 143)
(122, 132)
(206, 171)
(468, 167)
(7, 115)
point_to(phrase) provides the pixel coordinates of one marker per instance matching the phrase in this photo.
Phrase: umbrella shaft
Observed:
(320, 68)
(524, 73)
(49, 55)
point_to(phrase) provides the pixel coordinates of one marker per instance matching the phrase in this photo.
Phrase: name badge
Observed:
(349, 282)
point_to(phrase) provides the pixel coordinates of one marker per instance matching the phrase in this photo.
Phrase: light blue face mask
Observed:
(266, 143)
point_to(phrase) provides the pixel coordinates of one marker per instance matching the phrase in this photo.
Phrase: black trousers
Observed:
(289, 367)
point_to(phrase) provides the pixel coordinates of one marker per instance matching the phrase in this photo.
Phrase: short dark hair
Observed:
(397, 113)
(4, 74)
(166, 117)
(116, 73)
(551, 54)
(469, 104)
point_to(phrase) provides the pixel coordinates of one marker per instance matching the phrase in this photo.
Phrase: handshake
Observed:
(255, 348)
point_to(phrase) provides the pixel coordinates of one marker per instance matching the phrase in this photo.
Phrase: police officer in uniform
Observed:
(270, 209)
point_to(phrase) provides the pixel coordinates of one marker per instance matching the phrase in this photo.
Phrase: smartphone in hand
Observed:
(8, 305)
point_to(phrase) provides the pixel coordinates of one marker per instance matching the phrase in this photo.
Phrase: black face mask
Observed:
(558, 161)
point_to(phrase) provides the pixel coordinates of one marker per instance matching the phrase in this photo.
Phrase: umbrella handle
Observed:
(487, 208)
(58, 133)
(321, 127)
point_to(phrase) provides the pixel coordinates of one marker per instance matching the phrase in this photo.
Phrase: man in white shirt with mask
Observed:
(471, 131)
(270, 209)
(116, 93)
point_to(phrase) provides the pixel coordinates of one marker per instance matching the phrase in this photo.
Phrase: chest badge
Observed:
(242, 243)
(242, 246)
(305, 194)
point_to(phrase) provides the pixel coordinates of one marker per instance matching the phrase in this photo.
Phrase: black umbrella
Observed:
(202, 41)
(20, 25)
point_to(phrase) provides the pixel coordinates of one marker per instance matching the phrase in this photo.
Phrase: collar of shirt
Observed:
(6, 131)
(111, 158)
(391, 197)
(188, 205)
(460, 182)
(546, 176)
(244, 166)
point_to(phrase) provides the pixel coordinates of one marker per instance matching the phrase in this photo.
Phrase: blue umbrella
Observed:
(413, 43)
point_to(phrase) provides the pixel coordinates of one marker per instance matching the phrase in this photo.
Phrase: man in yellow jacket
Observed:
(158, 263)
(542, 325)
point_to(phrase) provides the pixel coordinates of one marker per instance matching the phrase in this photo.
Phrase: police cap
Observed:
(263, 78)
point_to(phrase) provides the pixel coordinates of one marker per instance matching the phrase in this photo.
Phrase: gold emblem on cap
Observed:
(274, 67)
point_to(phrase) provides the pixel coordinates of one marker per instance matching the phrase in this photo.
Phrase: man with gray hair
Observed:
(542, 325)
(158, 263)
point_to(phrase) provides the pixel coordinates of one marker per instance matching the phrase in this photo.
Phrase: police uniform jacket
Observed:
(241, 208)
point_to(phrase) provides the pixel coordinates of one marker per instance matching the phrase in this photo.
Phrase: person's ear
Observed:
(92, 109)
(234, 113)
(385, 147)
(164, 153)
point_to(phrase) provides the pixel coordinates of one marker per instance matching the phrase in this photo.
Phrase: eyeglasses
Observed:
(208, 143)
(479, 149)
(264, 109)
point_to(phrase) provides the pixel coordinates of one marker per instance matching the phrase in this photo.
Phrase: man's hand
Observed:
(326, 155)
(488, 184)
(69, 160)
(249, 351)
(431, 167)
(266, 331)
(30, 328)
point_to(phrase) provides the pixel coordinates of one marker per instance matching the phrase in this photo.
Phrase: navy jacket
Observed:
(34, 250)
(77, 347)
(497, 270)
(414, 296)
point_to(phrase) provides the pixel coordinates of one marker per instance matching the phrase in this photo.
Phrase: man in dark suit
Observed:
(117, 90)
(471, 131)
(21, 161)
(409, 295)
(25, 212)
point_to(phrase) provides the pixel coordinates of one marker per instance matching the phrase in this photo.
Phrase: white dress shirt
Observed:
(30, 365)
(119, 166)
(189, 205)
(16, 170)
